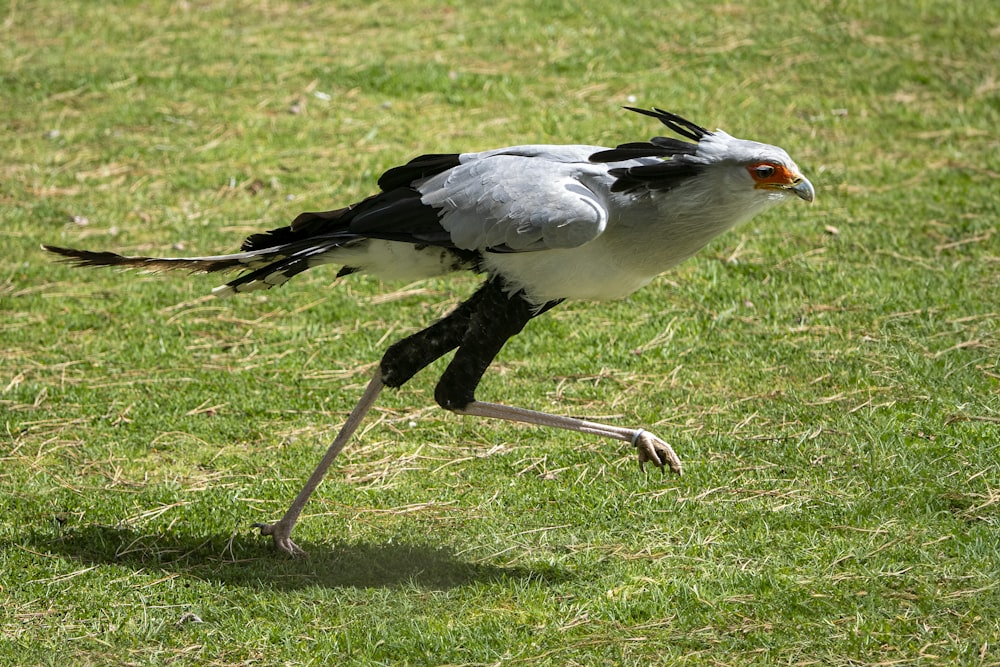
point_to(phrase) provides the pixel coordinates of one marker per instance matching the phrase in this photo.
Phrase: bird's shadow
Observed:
(252, 561)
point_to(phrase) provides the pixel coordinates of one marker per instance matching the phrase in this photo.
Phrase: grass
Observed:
(830, 375)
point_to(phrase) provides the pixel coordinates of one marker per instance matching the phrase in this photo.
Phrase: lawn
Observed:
(830, 375)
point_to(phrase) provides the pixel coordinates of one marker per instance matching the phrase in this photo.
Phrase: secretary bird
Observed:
(544, 223)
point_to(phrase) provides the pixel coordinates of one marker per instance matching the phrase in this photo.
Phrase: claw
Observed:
(282, 537)
(655, 451)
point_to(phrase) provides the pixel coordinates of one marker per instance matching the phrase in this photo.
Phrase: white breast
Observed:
(589, 272)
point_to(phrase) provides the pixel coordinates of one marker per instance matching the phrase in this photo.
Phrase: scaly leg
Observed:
(479, 327)
(401, 362)
(651, 448)
(281, 531)
(497, 317)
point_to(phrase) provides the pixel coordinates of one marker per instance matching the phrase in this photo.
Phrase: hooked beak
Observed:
(804, 190)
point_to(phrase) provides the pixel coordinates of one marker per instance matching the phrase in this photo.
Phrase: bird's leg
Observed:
(498, 317)
(651, 449)
(401, 362)
(281, 531)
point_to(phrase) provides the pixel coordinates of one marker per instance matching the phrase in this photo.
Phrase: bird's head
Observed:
(763, 167)
(757, 171)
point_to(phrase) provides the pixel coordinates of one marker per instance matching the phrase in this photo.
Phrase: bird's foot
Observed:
(655, 451)
(281, 534)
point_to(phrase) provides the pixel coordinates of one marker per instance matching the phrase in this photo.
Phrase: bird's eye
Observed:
(763, 171)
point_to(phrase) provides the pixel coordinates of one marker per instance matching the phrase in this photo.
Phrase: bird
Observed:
(541, 223)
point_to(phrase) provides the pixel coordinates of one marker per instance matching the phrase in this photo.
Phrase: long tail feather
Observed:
(210, 264)
(266, 267)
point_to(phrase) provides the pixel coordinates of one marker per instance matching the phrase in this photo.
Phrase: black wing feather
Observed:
(663, 147)
(395, 214)
(663, 176)
(420, 167)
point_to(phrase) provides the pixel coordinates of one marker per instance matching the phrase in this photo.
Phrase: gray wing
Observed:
(522, 198)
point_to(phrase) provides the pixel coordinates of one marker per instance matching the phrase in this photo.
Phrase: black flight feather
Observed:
(420, 167)
(666, 175)
(662, 147)
(395, 214)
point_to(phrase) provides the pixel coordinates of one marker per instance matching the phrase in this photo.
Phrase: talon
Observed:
(281, 536)
(646, 453)
(652, 449)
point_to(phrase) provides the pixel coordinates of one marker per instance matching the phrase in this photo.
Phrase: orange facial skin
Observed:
(771, 176)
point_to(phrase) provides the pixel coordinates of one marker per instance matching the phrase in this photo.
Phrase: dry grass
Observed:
(829, 375)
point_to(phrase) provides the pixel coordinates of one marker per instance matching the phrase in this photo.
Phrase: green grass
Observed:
(829, 374)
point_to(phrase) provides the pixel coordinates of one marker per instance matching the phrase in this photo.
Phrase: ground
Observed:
(828, 374)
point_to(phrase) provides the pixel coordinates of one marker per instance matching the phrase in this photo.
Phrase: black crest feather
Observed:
(676, 166)
(678, 124)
